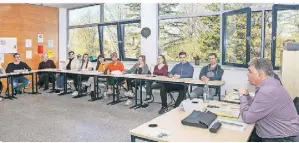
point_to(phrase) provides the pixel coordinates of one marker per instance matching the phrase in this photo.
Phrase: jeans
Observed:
(198, 92)
(60, 81)
(20, 79)
(150, 86)
(44, 79)
(172, 87)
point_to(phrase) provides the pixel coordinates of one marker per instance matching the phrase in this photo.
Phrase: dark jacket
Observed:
(218, 72)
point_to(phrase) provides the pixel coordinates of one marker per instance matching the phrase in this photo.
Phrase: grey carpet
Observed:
(52, 118)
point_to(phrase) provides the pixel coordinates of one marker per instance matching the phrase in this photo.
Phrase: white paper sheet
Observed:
(1, 58)
(50, 43)
(232, 124)
(40, 38)
(29, 54)
(28, 43)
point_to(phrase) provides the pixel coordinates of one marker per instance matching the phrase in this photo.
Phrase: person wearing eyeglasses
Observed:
(212, 71)
(182, 70)
(72, 64)
(45, 77)
(16, 66)
(139, 68)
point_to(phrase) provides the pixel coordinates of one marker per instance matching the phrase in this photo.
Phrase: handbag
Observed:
(199, 119)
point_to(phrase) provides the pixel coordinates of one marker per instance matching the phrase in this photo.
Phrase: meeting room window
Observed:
(132, 40)
(195, 36)
(84, 40)
(86, 15)
(121, 11)
(256, 35)
(168, 9)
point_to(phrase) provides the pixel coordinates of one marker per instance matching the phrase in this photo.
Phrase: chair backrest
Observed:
(296, 103)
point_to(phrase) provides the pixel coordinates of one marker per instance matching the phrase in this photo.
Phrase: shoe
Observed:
(75, 93)
(46, 88)
(93, 96)
(61, 92)
(57, 91)
(129, 94)
(0, 99)
(163, 110)
(105, 96)
(148, 99)
(109, 91)
(128, 102)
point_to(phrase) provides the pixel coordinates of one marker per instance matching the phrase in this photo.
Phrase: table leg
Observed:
(113, 90)
(79, 78)
(8, 92)
(133, 138)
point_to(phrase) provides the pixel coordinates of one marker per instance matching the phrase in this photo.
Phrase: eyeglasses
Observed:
(17, 57)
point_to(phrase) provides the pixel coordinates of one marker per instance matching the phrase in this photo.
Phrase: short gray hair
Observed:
(262, 65)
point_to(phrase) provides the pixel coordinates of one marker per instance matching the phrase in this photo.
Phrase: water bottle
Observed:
(205, 93)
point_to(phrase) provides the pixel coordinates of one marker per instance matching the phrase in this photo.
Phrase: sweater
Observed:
(216, 73)
(184, 70)
(134, 69)
(49, 64)
(161, 72)
(11, 67)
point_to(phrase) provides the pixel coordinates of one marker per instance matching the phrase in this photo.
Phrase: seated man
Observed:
(45, 77)
(15, 66)
(182, 70)
(114, 67)
(212, 71)
(272, 108)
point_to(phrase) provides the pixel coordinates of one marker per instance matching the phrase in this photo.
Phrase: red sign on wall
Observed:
(40, 49)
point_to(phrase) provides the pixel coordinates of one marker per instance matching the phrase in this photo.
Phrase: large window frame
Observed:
(220, 13)
(275, 9)
(120, 36)
(246, 11)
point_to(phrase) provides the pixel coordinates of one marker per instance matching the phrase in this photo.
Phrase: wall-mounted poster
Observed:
(28, 43)
(50, 43)
(1, 58)
(40, 38)
(8, 45)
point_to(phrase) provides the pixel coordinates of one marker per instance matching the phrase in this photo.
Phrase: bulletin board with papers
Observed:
(8, 45)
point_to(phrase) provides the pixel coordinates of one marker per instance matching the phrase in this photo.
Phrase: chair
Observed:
(296, 103)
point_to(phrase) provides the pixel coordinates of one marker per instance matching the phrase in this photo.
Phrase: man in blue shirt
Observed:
(182, 70)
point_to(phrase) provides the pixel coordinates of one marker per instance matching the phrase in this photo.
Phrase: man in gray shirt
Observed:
(272, 109)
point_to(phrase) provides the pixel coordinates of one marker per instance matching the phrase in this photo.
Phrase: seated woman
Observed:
(161, 69)
(45, 77)
(72, 64)
(85, 66)
(139, 68)
(114, 67)
(101, 67)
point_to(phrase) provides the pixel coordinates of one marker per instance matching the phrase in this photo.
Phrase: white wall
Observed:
(149, 18)
(62, 47)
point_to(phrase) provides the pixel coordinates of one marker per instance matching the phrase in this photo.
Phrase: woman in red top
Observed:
(161, 69)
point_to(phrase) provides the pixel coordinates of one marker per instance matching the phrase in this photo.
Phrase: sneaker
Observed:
(109, 91)
(105, 96)
(148, 99)
(128, 102)
(0, 99)
(163, 110)
(129, 94)
(75, 93)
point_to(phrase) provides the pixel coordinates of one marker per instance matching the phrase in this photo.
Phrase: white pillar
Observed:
(62, 48)
(149, 45)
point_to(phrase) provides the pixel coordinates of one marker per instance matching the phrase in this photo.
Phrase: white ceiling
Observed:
(64, 5)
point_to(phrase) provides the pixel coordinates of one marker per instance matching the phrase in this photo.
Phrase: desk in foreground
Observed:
(171, 122)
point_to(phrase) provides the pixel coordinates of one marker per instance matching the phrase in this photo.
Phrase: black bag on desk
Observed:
(199, 119)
